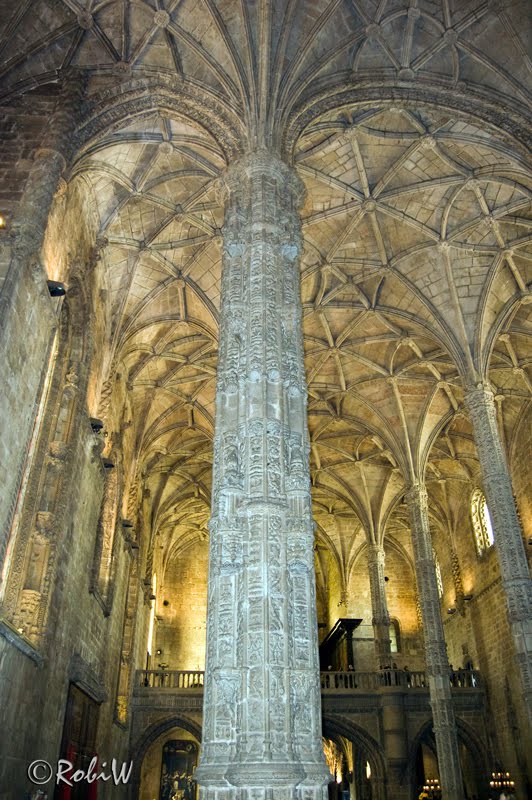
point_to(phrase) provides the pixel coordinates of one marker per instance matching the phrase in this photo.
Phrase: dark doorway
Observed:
(78, 744)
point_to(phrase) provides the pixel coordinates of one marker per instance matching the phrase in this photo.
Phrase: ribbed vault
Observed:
(417, 259)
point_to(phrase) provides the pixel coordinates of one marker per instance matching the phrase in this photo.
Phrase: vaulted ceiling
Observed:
(407, 122)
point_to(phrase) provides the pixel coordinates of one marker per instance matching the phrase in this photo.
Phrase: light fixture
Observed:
(2, 221)
(126, 523)
(451, 610)
(501, 780)
(96, 424)
(468, 598)
(56, 288)
(108, 464)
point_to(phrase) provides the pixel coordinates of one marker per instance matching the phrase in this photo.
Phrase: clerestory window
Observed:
(481, 520)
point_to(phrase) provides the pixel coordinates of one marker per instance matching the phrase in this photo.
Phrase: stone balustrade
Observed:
(332, 682)
(169, 679)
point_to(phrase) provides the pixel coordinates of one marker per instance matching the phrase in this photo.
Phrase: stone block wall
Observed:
(181, 623)
(81, 639)
(22, 124)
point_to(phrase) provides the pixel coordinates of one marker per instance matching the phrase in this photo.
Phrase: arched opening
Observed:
(355, 760)
(482, 527)
(424, 771)
(165, 761)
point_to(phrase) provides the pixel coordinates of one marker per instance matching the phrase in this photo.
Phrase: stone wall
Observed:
(181, 623)
(22, 124)
(80, 640)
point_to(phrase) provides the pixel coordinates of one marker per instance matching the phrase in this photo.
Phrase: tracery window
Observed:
(439, 580)
(482, 527)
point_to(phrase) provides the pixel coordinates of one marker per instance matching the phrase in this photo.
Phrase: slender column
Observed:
(394, 728)
(435, 652)
(508, 538)
(262, 718)
(379, 606)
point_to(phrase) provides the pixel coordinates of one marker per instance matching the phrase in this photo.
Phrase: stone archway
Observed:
(474, 757)
(370, 749)
(154, 732)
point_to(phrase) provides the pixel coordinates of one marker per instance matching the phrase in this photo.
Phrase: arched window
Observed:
(395, 636)
(481, 519)
(437, 569)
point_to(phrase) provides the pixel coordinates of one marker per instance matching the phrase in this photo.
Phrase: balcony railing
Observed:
(170, 679)
(371, 681)
(331, 682)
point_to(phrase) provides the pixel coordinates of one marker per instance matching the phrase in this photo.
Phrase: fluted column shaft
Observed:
(379, 606)
(507, 531)
(435, 651)
(262, 719)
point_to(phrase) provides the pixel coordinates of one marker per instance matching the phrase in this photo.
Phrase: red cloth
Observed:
(93, 787)
(65, 791)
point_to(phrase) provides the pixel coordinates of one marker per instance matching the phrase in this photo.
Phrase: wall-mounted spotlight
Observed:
(108, 464)
(96, 424)
(134, 545)
(468, 598)
(3, 221)
(126, 523)
(451, 610)
(56, 288)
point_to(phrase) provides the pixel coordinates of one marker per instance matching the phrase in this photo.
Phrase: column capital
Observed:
(375, 553)
(416, 493)
(257, 163)
(475, 393)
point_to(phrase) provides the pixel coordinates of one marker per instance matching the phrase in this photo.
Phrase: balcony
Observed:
(169, 679)
(350, 682)
(348, 690)
(352, 698)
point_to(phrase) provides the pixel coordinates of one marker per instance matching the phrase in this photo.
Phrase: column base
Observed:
(263, 781)
(263, 793)
(265, 773)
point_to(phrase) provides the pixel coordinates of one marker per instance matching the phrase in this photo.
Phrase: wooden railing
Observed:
(331, 681)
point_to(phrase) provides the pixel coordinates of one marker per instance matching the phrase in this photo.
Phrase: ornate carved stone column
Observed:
(379, 606)
(435, 652)
(262, 719)
(508, 538)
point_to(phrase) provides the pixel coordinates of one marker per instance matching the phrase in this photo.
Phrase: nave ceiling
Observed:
(417, 251)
